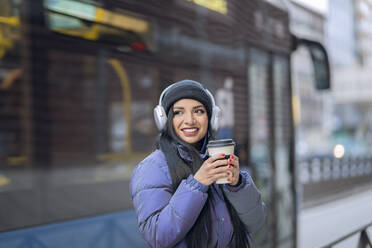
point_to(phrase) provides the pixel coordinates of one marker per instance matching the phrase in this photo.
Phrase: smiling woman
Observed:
(174, 190)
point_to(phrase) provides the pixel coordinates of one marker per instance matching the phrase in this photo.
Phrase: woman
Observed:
(174, 195)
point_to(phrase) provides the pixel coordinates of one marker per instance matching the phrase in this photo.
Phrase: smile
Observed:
(190, 131)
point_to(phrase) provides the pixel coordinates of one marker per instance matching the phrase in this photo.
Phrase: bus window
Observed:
(124, 30)
(12, 151)
(258, 71)
(258, 95)
(285, 213)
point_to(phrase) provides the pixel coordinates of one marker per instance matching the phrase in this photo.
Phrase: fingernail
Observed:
(228, 173)
(229, 160)
(229, 166)
(232, 156)
(228, 179)
(223, 155)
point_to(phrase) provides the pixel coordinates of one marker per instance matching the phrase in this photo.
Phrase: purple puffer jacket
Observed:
(165, 217)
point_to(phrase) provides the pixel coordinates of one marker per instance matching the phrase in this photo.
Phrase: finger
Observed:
(234, 157)
(209, 162)
(234, 165)
(234, 161)
(219, 163)
(235, 170)
(220, 169)
(230, 163)
(232, 181)
(219, 176)
(215, 157)
(235, 175)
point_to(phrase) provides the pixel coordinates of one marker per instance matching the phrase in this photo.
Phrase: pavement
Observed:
(318, 193)
(327, 222)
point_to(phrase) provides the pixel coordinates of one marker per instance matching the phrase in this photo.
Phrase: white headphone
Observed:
(161, 117)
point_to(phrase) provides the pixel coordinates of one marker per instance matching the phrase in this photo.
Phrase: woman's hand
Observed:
(214, 168)
(234, 162)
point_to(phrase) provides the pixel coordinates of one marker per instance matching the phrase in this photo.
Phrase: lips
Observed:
(190, 131)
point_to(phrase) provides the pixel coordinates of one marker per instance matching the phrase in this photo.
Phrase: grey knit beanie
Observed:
(187, 89)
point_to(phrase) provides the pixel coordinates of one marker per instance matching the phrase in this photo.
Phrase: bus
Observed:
(78, 83)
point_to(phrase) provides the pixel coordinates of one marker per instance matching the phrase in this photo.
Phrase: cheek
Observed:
(204, 123)
(175, 121)
(204, 132)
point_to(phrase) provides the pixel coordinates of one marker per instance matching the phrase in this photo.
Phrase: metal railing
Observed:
(363, 242)
(316, 169)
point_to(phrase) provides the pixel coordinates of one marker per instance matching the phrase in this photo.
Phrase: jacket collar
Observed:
(185, 155)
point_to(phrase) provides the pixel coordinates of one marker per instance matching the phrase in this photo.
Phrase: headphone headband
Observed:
(163, 93)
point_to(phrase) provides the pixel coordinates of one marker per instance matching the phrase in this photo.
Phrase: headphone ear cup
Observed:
(216, 112)
(160, 117)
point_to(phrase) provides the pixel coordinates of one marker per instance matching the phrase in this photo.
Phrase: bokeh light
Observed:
(338, 151)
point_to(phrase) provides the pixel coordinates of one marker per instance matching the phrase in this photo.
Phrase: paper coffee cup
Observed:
(225, 146)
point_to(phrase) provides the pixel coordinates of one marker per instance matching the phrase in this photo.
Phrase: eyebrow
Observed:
(195, 107)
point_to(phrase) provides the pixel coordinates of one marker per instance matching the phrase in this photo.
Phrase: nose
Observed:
(189, 119)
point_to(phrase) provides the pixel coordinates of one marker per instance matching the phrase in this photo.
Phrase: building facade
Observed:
(350, 49)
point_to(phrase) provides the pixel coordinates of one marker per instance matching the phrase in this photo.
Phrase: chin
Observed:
(191, 141)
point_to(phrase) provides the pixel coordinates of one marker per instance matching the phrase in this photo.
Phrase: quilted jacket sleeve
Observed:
(164, 217)
(246, 199)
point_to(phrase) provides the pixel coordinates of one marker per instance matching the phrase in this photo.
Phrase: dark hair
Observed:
(180, 169)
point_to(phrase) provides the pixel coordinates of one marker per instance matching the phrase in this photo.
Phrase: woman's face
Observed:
(190, 121)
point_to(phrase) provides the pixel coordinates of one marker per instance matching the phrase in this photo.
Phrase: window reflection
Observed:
(285, 213)
(258, 71)
(12, 152)
(124, 30)
(258, 76)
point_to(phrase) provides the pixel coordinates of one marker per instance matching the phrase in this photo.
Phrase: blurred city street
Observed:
(334, 147)
(79, 81)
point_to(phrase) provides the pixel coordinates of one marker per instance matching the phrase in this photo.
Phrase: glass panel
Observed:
(258, 70)
(97, 128)
(224, 97)
(11, 87)
(10, 38)
(285, 210)
(89, 22)
(73, 8)
(258, 76)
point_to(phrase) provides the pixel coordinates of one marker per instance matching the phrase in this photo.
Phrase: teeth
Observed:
(189, 130)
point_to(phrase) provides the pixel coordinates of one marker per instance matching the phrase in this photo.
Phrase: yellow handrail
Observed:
(13, 20)
(125, 86)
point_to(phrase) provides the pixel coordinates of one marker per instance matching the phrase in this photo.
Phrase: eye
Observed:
(177, 112)
(200, 111)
